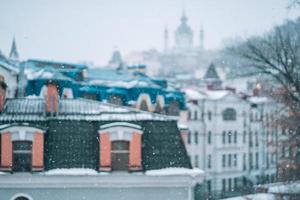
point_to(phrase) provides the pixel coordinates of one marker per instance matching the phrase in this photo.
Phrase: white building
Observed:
(232, 139)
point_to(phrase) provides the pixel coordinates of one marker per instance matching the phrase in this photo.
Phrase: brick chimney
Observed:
(52, 98)
(3, 87)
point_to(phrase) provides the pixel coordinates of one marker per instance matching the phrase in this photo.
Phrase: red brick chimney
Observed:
(3, 87)
(52, 98)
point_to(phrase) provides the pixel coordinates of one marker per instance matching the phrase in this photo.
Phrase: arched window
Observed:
(229, 114)
(144, 106)
(159, 108)
(21, 198)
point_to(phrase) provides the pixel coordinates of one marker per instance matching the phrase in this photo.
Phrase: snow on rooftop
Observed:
(71, 171)
(175, 171)
(193, 94)
(182, 126)
(258, 100)
(258, 196)
(216, 94)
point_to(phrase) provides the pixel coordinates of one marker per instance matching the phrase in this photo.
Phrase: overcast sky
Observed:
(89, 30)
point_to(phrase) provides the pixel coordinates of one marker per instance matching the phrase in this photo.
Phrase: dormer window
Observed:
(22, 148)
(120, 146)
(22, 156)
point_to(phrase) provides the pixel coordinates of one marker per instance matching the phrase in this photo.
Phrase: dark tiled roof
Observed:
(26, 109)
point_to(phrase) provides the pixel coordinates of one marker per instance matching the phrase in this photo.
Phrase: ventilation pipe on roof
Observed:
(3, 87)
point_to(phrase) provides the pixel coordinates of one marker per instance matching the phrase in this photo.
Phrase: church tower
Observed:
(166, 40)
(183, 35)
(201, 38)
(14, 55)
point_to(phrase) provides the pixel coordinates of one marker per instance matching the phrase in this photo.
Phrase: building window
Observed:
(250, 161)
(189, 137)
(120, 147)
(235, 137)
(223, 137)
(22, 156)
(229, 160)
(143, 105)
(209, 186)
(244, 136)
(267, 161)
(235, 182)
(189, 115)
(21, 197)
(195, 115)
(235, 160)
(120, 155)
(244, 162)
(229, 137)
(174, 108)
(196, 137)
(256, 138)
(256, 160)
(229, 114)
(229, 184)
(209, 161)
(283, 131)
(250, 139)
(209, 137)
(224, 160)
(209, 115)
(118, 100)
(223, 185)
(196, 160)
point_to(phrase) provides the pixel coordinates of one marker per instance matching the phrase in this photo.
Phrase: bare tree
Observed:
(277, 55)
(294, 3)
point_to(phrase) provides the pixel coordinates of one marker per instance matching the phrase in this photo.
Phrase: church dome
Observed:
(183, 35)
(184, 28)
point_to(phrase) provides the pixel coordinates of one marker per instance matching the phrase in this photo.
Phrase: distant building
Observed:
(9, 74)
(116, 86)
(232, 137)
(181, 55)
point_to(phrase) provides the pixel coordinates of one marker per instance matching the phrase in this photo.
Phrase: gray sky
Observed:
(89, 30)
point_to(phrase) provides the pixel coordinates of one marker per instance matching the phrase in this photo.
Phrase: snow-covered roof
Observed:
(258, 100)
(33, 109)
(9, 67)
(71, 171)
(192, 94)
(216, 94)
